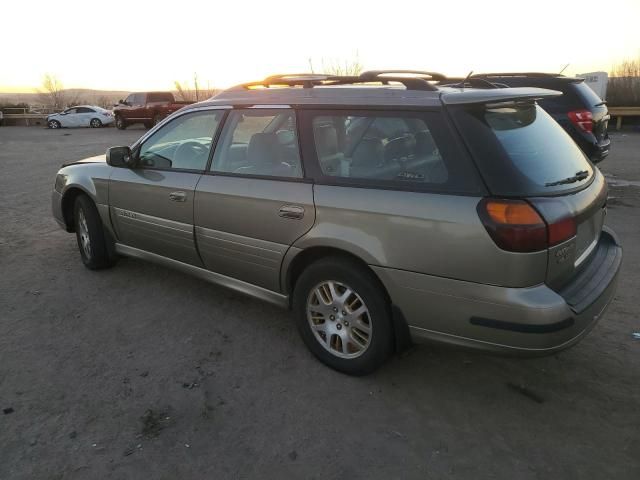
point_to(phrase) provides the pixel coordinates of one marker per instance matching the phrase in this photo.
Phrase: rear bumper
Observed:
(596, 151)
(531, 321)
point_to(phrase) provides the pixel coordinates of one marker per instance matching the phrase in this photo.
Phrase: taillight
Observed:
(583, 119)
(562, 230)
(515, 226)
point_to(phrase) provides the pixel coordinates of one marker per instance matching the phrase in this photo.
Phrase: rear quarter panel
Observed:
(427, 233)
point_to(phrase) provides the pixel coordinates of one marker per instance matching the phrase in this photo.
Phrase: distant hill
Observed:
(75, 95)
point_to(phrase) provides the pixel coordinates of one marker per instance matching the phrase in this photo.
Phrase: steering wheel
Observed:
(189, 155)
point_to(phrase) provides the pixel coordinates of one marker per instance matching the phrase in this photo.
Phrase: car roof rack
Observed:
(470, 82)
(518, 74)
(411, 79)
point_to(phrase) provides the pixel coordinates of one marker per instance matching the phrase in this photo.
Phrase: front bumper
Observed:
(56, 209)
(531, 321)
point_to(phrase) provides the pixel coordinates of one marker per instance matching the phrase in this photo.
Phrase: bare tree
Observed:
(53, 94)
(193, 92)
(623, 88)
(346, 67)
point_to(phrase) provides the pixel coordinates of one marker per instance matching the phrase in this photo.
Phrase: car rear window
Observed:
(521, 150)
(590, 97)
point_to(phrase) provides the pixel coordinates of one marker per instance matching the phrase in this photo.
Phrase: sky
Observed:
(147, 45)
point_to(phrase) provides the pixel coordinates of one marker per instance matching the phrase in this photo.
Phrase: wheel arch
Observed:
(68, 200)
(303, 258)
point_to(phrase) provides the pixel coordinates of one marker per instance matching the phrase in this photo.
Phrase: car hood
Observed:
(96, 159)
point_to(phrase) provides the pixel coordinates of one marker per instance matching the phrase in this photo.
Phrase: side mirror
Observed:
(121, 102)
(120, 157)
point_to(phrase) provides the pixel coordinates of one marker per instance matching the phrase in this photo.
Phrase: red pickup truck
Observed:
(148, 108)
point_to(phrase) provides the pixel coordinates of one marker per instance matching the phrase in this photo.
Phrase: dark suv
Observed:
(580, 111)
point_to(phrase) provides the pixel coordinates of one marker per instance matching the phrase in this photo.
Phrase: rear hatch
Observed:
(529, 162)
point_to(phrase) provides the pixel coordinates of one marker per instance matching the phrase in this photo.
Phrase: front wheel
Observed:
(343, 316)
(120, 123)
(95, 123)
(54, 124)
(90, 235)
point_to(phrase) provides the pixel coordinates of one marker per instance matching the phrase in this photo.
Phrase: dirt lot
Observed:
(140, 372)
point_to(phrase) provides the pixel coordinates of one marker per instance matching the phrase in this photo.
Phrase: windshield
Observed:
(521, 150)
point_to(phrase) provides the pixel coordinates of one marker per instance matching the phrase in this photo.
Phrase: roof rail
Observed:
(517, 74)
(309, 80)
(471, 82)
(395, 73)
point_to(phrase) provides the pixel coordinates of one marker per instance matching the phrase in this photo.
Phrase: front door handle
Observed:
(291, 211)
(178, 196)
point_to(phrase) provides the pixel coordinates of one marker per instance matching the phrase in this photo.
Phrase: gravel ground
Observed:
(142, 372)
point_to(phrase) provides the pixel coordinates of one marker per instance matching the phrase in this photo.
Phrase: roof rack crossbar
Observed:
(310, 80)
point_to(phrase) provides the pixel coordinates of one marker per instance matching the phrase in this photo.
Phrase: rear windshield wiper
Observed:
(581, 175)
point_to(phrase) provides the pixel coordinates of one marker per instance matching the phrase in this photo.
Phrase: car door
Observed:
(69, 118)
(84, 116)
(254, 202)
(137, 111)
(127, 110)
(151, 205)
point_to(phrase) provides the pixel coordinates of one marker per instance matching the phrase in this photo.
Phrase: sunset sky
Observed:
(135, 45)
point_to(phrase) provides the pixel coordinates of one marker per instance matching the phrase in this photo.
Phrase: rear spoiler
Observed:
(498, 95)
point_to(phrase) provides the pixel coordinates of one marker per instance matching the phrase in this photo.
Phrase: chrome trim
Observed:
(212, 277)
(586, 253)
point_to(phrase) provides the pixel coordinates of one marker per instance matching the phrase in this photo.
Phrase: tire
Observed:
(120, 123)
(375, 342)
(95, 123)
(54, 124)
(90, 235)
(148, 125)
(157, 119)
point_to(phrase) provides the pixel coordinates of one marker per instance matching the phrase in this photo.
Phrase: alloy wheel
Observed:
(83, 230)
(339, 319)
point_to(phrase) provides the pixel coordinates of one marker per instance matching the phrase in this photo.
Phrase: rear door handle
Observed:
(178, 196)
(291, 211)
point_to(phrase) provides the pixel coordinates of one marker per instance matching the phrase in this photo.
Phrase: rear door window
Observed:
(261, 142)
(521, 150)
(410, 150)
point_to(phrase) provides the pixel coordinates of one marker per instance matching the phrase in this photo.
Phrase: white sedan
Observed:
(81, 116)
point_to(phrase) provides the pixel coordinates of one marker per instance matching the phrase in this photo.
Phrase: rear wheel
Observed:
(95, 123)
(120, 123)
(90, 235)
(53, 124)
(342, 315)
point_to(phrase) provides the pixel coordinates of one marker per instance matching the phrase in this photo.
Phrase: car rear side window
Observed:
(160, 97)
(521, 150)
(406, 149)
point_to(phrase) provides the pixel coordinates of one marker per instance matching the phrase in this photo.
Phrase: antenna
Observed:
(565, 67)
(466, 78)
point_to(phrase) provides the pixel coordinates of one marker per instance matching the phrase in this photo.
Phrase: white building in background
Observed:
(597, 81)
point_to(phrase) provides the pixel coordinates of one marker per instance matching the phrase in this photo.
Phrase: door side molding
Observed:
(207, 275)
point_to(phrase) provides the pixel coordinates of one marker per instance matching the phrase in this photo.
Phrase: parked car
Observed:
(80, 116)
(580, 111)
(379, 215)
(148, 108)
